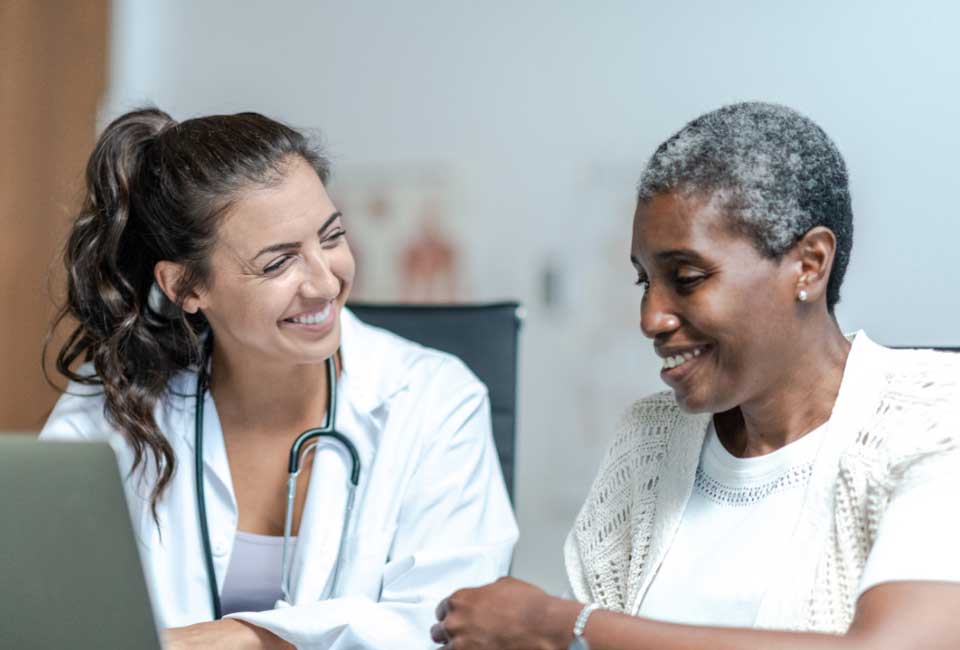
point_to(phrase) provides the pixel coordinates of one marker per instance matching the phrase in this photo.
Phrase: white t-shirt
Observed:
(743, 511)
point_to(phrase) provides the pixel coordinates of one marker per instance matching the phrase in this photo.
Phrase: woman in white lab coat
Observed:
(212, 243)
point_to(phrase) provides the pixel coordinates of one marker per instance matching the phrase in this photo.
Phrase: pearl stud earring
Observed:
(802, 296)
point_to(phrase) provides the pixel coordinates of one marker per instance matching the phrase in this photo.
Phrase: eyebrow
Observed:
(682, 253)
(285, 246)
(679, 252)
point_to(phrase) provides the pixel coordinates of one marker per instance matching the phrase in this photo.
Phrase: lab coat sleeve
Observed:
(456, 529)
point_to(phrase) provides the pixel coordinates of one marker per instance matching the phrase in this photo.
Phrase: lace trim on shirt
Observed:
(747, 496)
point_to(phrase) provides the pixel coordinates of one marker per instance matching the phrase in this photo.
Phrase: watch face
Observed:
(579, 643)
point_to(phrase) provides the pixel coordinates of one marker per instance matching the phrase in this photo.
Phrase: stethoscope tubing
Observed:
(304, 444)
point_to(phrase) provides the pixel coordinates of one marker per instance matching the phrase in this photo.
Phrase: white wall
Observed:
(546, 112)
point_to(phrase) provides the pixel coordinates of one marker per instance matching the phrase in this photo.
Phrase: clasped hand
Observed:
(508, 614)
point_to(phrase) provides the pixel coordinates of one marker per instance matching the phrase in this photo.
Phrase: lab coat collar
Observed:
(367, 367)
(370, 367)
(214, 449)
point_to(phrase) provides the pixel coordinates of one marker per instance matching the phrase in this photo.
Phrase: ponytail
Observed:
(107, 278)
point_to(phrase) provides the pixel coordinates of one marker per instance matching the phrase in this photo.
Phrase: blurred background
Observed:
(489, 150)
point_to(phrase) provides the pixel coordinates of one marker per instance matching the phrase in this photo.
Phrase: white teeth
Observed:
(680, 359)
(314, 318)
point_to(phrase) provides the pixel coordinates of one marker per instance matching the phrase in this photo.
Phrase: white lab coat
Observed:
(431, 513)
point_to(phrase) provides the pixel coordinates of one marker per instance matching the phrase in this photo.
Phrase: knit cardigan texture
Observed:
(897, 411)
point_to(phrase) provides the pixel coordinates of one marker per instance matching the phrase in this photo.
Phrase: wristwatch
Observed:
(579, 643)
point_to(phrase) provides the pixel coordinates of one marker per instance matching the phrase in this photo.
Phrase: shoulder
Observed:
(928, 378)
(387, 363)
(921, 389)
(79, 413)
(652, 415)
(649, 424)
(917, 412)
(652, 434)
(640, 446)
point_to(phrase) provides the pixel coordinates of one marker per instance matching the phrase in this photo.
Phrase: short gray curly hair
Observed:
(775, 173)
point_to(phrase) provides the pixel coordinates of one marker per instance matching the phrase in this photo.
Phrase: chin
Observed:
(695, 403)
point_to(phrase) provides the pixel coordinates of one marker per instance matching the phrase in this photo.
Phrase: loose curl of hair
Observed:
(157, 190)
(775, 173)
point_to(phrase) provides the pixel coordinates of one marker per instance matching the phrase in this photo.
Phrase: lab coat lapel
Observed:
(214, 451)
(321, 524)
(221, 502)
(364, 387)
(363, 393)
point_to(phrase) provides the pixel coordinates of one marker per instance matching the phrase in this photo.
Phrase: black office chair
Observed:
(920, 347)
(483, 336)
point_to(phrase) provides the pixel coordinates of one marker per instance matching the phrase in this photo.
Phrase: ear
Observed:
(168, 275)
(814, 259)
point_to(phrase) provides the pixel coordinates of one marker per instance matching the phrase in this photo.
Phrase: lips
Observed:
(680, 357)
(680, 362)
(312, 318)
(317, 319)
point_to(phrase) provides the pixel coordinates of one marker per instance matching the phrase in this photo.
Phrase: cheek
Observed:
(256, 307)
(749, 327)
(343, 266)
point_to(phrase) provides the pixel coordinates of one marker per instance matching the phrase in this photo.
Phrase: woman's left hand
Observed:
(225, 634)
(506, 615)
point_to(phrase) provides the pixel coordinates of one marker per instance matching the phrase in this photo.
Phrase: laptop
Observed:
(70, 573)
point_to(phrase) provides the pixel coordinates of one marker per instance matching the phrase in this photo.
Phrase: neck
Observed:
(799, 402)
(262, 396)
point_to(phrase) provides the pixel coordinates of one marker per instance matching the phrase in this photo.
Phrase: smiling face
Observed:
(720, 314)
(281, 271)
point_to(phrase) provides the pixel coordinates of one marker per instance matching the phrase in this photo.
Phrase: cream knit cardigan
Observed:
(895, 409)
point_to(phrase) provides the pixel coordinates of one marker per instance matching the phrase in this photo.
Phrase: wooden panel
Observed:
(53, 62)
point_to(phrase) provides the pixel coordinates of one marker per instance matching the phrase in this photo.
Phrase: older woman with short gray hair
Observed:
(795, 488)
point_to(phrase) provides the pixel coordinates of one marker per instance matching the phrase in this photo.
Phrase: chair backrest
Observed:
(920, 347)
(483, 336)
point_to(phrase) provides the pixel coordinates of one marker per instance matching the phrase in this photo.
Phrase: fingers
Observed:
(443, 607)
(438, 634)
(447, 626)
(442, 632)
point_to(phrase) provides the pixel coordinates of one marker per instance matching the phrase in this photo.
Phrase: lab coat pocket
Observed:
(366, 562)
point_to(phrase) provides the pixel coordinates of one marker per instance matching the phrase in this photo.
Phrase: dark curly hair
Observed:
(156, 189)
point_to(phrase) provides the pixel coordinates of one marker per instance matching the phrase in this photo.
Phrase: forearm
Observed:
(260, 639)
(349, 622)
(227, 634)
(615, 631)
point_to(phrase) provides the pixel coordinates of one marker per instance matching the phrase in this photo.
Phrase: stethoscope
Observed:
(297, 450)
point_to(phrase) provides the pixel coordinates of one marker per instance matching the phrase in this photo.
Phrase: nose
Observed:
(657, 314)
(319, 280)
